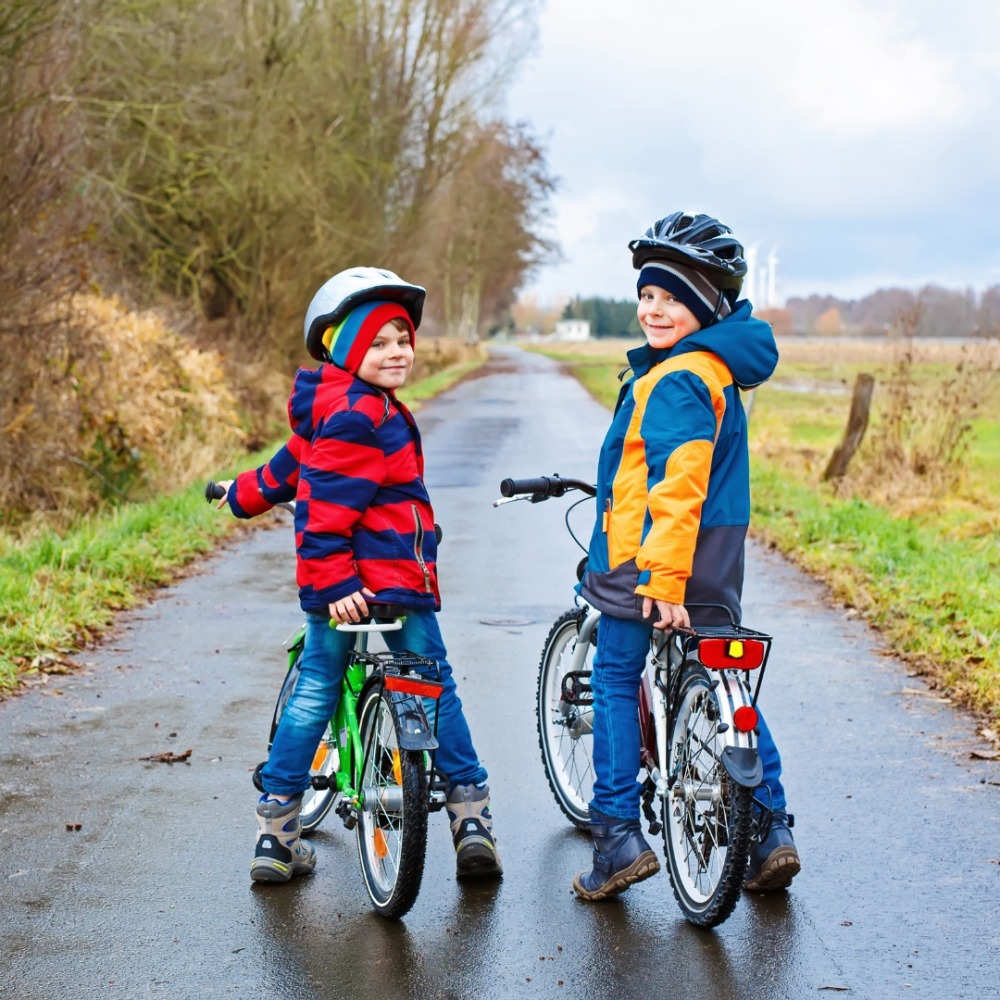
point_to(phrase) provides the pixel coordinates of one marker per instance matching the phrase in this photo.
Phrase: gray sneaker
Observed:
(472, 832)
(280, 852)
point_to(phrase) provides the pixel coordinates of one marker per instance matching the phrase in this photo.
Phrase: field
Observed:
(909, 537)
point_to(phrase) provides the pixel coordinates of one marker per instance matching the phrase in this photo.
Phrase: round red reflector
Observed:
(745, 718)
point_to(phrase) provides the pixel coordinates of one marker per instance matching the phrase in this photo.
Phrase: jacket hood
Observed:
(744, 343)
(313, 386)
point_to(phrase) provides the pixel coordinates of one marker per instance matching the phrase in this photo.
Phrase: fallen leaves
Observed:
(49, 664)
(168, 757)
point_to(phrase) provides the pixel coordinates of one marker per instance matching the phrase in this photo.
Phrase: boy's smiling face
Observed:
(388, 361)
(663, 318)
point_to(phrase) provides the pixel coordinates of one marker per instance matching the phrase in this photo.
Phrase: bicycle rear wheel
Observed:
(565, 719)
(316, 802)
(392, 823)
(706, 815)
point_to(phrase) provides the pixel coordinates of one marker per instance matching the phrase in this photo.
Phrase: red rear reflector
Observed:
(737, 654)
(412, 685)
(745, 718)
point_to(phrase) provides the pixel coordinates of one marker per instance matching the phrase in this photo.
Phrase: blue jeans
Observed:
(311, 706)
(622, 648)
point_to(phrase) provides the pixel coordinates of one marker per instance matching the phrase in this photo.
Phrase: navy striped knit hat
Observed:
(705, 300)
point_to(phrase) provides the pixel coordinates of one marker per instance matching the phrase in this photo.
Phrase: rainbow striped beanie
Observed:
(348, 342)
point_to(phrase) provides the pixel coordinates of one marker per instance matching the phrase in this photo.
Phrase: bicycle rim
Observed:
(317, 802)
(706, 815)
(565, 724)
(392, 822)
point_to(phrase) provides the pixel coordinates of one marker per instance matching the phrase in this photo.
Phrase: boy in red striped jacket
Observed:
(364, 530)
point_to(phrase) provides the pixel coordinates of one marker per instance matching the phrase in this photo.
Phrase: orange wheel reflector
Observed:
(731, 654)
(397, 768)
(745, 718)
(322, 752)
(413, 685)
(378, 842)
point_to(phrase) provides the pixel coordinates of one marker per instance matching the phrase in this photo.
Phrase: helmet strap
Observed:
(718, 309)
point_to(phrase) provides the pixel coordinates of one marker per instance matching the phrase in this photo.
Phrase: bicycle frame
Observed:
(698, 759)
(413, 728)
(656, 696)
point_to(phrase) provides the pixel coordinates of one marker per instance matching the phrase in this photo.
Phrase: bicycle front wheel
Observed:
(392, 823)
(706, 815)
(316, 802)
(565, 719)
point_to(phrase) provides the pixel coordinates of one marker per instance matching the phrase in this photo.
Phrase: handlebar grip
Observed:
(543, 485)
(213, 491)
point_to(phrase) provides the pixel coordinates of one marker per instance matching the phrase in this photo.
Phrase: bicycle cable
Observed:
(583, 548)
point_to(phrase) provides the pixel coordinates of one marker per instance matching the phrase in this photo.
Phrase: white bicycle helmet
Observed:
(348, 289)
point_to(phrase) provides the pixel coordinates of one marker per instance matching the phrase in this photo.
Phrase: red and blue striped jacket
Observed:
(354, 467)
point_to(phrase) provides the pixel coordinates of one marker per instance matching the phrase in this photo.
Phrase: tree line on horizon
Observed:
(937, 311)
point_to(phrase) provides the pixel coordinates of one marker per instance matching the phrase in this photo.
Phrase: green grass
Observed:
(933, 599)
(927, 581)
(413, 396)
(60, 591)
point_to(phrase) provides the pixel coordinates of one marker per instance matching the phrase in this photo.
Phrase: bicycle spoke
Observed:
(392, 818)
(564, 719)
(699, 820)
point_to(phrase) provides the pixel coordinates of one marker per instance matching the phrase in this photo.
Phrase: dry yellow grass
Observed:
(118, 405)
(883, 351)
(810, 350)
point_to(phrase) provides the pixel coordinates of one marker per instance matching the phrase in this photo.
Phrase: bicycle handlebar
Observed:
(543, 487)
(213, 491)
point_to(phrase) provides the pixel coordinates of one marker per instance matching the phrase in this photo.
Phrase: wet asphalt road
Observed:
(896, 823)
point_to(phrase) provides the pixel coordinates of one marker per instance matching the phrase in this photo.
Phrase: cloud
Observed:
(859, 121)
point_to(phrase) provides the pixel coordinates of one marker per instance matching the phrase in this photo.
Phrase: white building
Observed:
(573, 329)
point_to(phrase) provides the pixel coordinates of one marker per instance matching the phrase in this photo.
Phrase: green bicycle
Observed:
(374, 766)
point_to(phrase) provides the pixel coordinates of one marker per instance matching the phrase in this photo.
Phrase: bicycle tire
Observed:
(565, 729)
(316, 802)
(706, 815)
(392, 822)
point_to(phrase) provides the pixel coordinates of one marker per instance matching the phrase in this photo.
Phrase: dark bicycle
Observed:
(698, 759)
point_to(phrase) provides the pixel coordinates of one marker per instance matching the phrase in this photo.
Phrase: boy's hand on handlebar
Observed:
(224, 484)
(670, 615)
(351, 608)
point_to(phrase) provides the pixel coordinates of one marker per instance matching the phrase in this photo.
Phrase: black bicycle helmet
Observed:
(700, 242)
(348, 289)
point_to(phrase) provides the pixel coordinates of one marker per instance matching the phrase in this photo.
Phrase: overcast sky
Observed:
(857, 140)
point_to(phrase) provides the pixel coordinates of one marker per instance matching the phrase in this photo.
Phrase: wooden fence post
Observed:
(857, 424)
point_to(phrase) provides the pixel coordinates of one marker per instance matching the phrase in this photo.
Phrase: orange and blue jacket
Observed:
(673, 480)
(355, 468)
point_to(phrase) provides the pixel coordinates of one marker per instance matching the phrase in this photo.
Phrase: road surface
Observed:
(128, 878)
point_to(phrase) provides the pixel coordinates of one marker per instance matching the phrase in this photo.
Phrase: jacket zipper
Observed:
(418, 547)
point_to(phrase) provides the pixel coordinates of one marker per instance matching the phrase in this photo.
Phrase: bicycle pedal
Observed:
(347, 814)
(655, 828)
(258, 782)
(321, 781)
